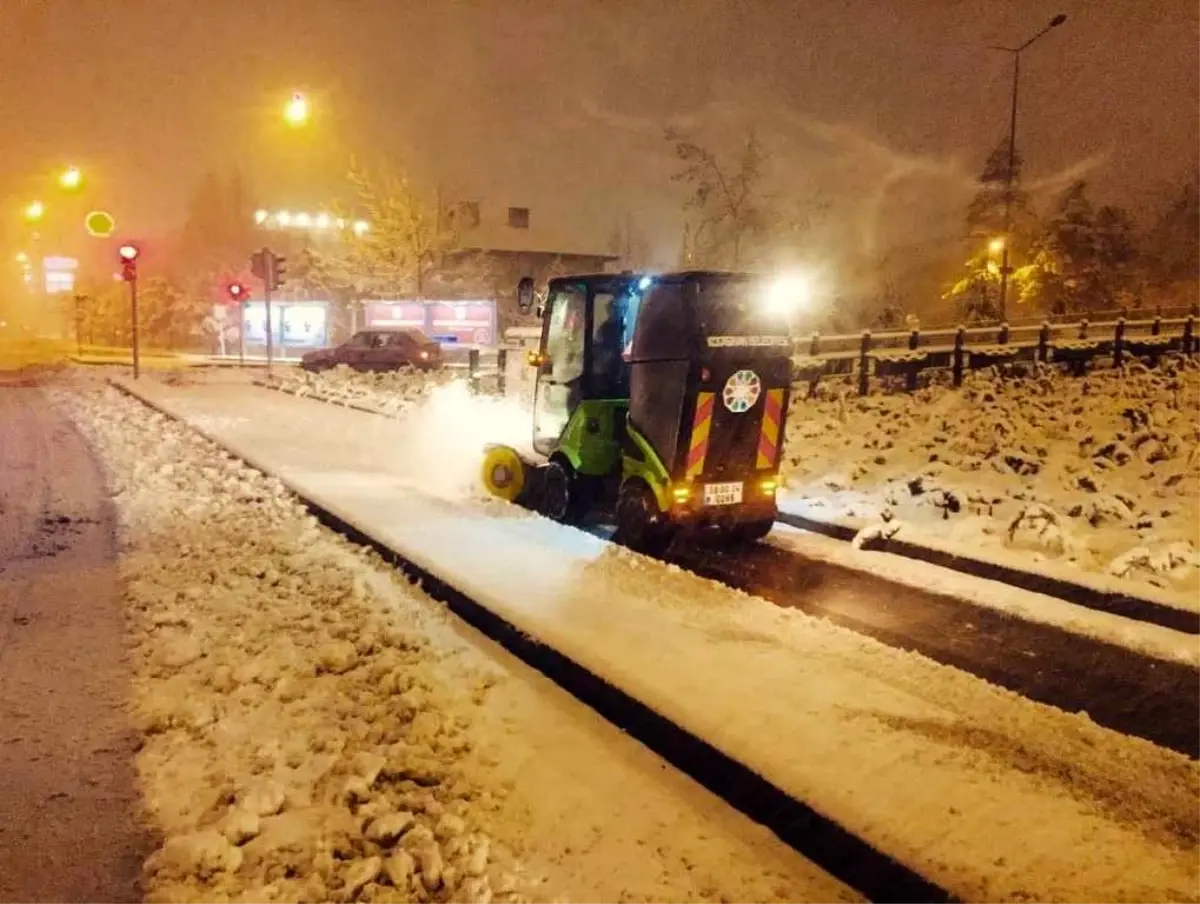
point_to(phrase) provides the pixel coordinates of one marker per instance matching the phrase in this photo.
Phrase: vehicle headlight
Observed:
(788, 293)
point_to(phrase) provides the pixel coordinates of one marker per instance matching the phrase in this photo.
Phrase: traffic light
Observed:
(277, 272)
(269, 267)
(129, 255)
(237, 292)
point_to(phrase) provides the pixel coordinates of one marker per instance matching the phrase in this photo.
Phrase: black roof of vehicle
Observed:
(597, 277)
(672, 276)
(686, 275)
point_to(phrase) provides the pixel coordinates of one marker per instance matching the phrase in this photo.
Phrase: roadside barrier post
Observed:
(473, 369)
(864, 363)
(960, 340)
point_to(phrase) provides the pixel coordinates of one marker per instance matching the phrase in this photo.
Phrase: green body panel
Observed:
(597, 452)
(650, 469)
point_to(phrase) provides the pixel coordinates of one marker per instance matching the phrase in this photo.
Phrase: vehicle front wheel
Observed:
(641, 524)
(564, 495)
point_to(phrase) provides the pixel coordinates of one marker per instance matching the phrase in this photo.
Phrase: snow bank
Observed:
(989, 795)
(1100, 474)
(389, 392)
(316, 729)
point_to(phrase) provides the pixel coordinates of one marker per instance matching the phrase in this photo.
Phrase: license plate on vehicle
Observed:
(722, 493)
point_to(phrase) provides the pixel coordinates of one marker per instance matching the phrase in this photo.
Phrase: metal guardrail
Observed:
(907, 353)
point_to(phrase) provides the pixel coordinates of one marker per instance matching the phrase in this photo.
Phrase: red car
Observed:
(379, 348)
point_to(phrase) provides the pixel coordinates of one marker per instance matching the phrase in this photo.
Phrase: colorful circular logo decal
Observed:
(741, 391)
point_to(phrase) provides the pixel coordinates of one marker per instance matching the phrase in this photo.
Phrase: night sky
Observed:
(884, 110)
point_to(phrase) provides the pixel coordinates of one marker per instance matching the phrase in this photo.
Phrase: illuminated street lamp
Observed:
(34, 211)
(1012, 150)
(70, 178)
(22, 257)
(297, 110)
(996, 245)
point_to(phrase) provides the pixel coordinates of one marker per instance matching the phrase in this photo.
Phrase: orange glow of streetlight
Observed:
(297, 110)
(34, 211)
(996, 245)
(70, 178)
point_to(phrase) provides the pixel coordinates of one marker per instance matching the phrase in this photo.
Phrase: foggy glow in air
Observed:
(788, 293)
(260, 216)
(34, 211)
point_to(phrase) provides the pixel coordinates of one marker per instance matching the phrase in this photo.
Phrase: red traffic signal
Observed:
(237, 292)
(129, 255)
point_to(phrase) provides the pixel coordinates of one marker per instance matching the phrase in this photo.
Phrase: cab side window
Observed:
(565, 331)
(609, 369)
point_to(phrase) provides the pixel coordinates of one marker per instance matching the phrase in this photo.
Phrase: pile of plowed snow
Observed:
(1100, 472)
(389, 392)
(301, 740)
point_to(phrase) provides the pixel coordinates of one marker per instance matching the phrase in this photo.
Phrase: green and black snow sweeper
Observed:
(659, 405)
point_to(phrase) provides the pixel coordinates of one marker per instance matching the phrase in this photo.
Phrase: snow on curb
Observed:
(755, 795)
(294, 692)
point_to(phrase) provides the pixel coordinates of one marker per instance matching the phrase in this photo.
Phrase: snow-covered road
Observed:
(987, 794)
(70, 826)
(316, 728)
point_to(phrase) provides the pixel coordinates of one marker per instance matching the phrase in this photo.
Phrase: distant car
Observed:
(381, 348)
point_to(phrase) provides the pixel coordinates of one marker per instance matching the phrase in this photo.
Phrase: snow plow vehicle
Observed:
(659, 405)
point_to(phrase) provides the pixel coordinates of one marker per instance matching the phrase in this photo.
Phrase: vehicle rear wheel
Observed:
(641, 525)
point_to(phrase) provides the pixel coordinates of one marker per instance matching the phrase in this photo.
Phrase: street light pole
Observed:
(1012, 158)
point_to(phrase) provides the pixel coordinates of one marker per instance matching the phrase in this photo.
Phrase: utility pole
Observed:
(1012, 159)
(237, 294)
(79, 299)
